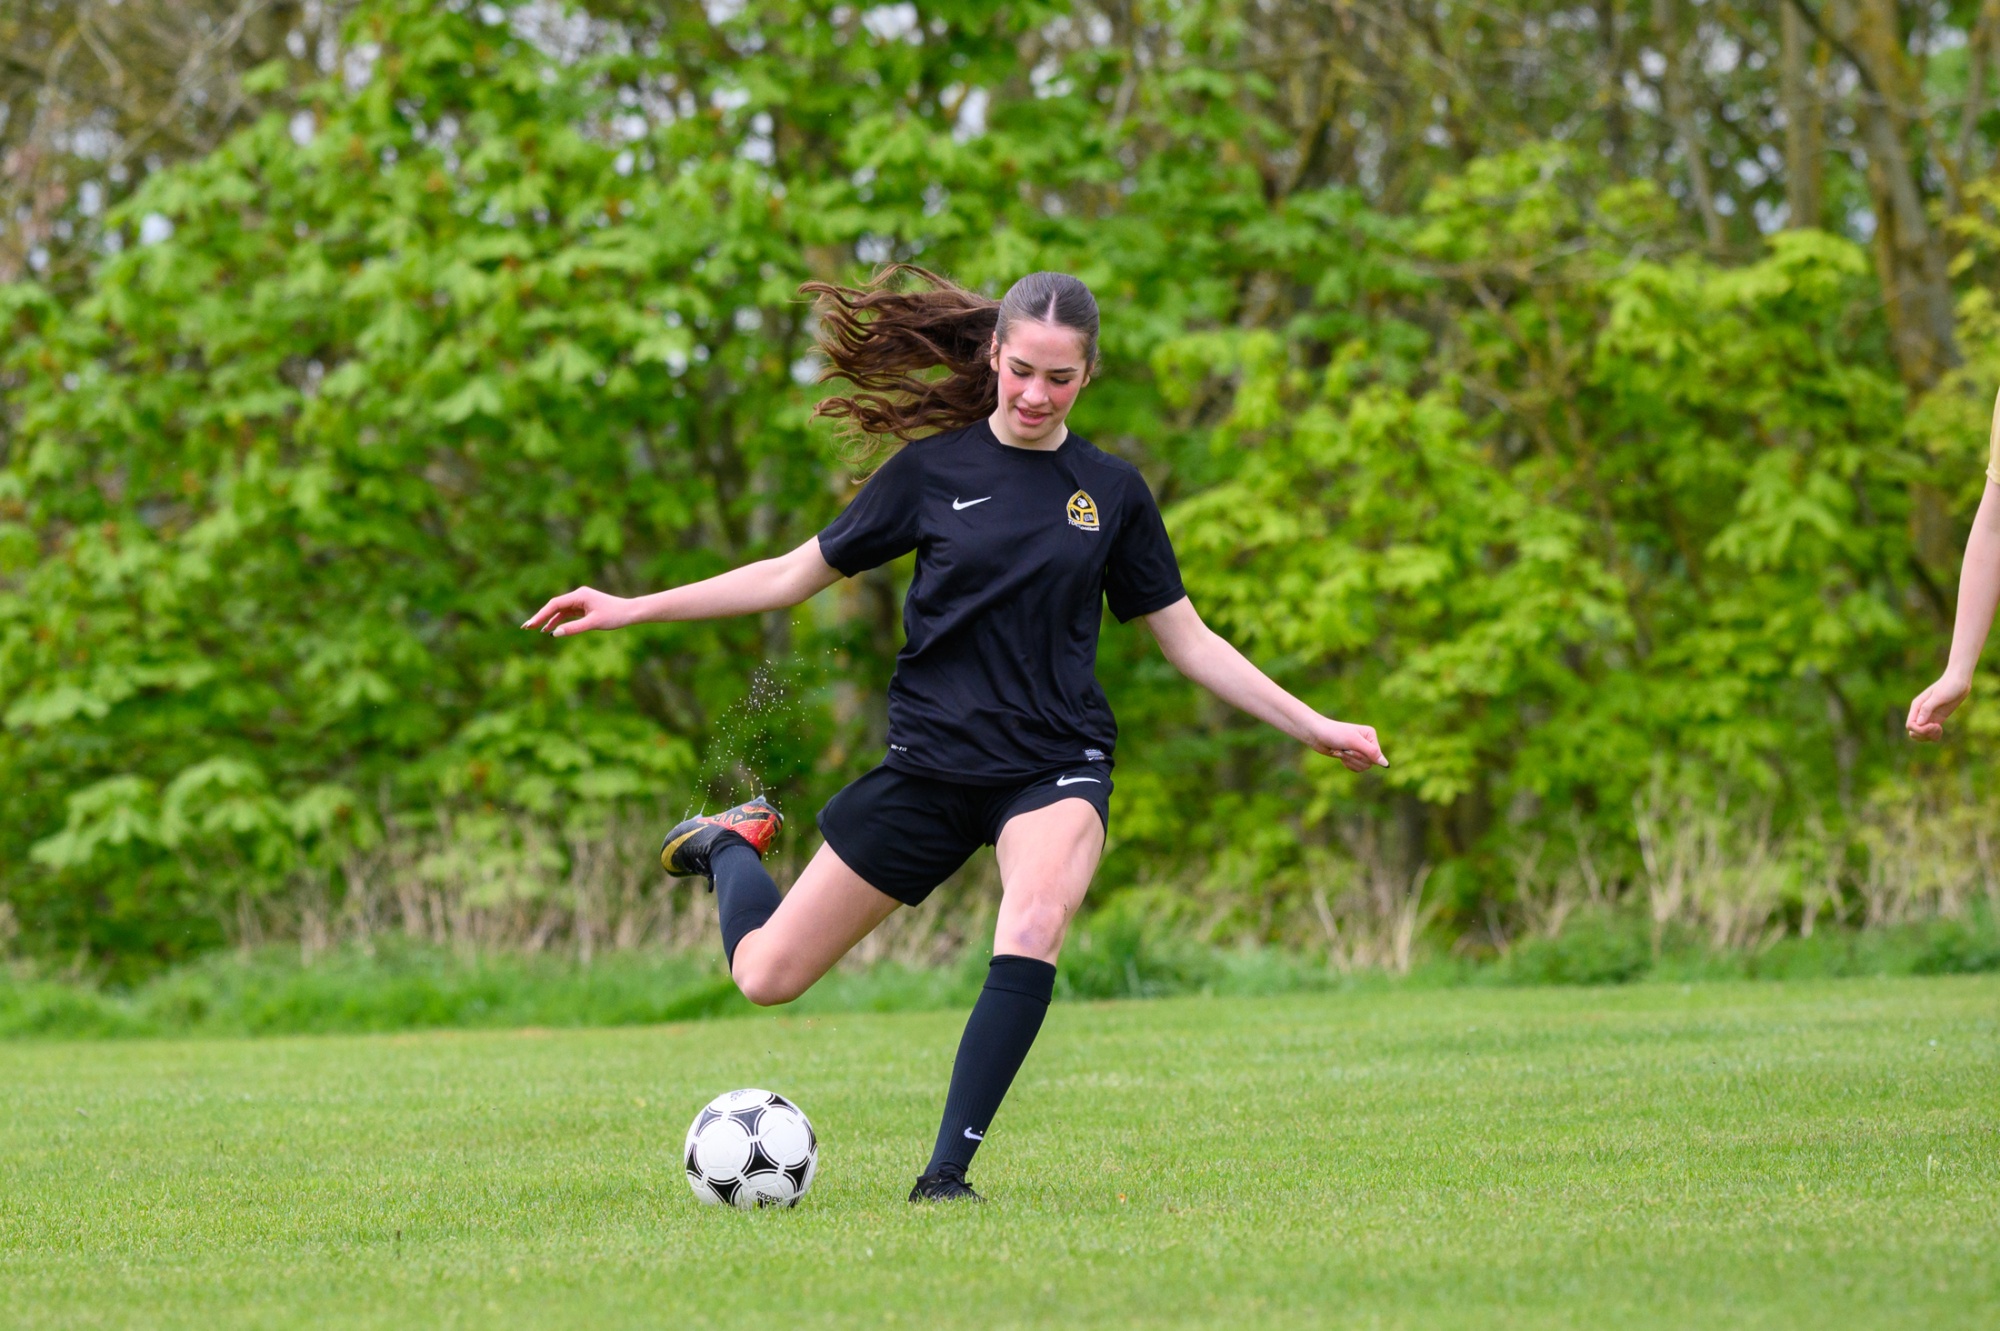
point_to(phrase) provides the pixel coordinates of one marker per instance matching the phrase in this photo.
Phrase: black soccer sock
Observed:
(745, 896)
(997, 1038)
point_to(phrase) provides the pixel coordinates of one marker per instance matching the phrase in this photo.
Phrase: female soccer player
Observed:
(998, 732)
(1978, 594)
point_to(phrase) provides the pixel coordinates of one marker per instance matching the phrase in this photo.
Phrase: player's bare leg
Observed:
(829, 909)
(777, 945)
(1046, 860)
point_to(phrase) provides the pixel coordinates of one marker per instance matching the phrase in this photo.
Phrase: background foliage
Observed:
(1591, 397)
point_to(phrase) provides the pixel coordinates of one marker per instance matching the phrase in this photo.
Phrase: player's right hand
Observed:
(1356, 747)
(580, 611)
(1933, 705)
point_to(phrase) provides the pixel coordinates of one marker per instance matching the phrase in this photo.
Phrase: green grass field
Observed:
(1767, 1155)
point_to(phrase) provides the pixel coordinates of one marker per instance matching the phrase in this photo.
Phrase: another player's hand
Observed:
(580, 611)
(1933, 705)
(1355, 746)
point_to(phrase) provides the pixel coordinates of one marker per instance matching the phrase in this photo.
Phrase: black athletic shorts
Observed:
(906, 834)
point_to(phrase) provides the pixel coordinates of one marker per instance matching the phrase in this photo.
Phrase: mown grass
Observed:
(402, 987)
(1114, 954)
(1770, 1155)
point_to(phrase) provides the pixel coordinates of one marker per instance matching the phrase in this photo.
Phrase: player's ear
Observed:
(993, 351)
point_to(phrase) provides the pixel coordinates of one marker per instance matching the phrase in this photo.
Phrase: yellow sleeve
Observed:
(1993, 446)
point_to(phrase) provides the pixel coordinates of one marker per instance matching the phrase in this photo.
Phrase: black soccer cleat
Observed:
(947, 1185)
(687, 848)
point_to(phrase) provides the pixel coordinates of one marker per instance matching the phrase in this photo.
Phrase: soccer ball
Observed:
(749, 1149)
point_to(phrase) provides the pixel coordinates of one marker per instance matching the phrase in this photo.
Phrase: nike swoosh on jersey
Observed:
(1074, 780)
(956, 505)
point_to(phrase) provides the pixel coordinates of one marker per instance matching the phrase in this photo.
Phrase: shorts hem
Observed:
(1032, 801)
(904, 834)
(911, 897)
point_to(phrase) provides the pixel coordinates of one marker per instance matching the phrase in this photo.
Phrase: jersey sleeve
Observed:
(1142, 574)
(881, 523)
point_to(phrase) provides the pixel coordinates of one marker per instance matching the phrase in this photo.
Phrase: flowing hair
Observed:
(888, 342)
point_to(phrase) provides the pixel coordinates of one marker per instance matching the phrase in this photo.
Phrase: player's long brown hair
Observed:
(888, 341)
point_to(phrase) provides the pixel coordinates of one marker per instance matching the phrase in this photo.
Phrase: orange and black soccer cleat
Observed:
(689, 845)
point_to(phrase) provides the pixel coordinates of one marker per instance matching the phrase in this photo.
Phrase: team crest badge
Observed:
(1082, 511)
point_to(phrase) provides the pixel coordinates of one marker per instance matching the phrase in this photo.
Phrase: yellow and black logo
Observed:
(1083, 511)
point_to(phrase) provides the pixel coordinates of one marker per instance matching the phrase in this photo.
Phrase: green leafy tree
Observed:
(517, 316)
(1463, 430)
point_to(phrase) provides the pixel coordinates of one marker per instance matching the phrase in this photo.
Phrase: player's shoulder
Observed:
(1118, 474)
(906, 464)
(934, 450)
(932, 444)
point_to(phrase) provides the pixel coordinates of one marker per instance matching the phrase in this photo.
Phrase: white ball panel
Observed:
(702, 1192)
(694, 1130)
(785, 1137)
(722, 1149)
(766, 1190)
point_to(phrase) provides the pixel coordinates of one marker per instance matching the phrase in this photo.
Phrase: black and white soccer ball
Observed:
(751, 1148)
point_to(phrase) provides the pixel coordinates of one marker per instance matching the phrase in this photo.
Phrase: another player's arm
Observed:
(1978, 594)
(768, 584)
(1207, 658)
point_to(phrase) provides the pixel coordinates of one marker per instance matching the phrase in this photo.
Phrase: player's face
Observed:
(1041, 369)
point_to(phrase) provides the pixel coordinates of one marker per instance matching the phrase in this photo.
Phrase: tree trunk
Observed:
(1978, 55)
(1805, 120)
(1611, 61)
(1910, 258)
(1680, 115)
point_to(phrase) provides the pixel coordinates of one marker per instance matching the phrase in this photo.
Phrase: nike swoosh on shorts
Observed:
(1074, 780)
(955, 505)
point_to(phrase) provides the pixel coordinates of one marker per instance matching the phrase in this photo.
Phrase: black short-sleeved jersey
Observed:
(1018, 550)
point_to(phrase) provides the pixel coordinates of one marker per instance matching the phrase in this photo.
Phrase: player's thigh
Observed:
(829, 909)
(1047, 857)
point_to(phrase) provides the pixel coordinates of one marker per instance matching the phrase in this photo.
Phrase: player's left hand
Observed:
(1355, 746)
(1933, 705)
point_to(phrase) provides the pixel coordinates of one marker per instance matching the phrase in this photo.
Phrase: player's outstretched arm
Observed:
(1208, 659)
(1978, 594)
(768, 584)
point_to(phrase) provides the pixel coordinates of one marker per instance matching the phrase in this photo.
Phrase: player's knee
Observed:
(1037, 931)
(764, 983)
(765, 990)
